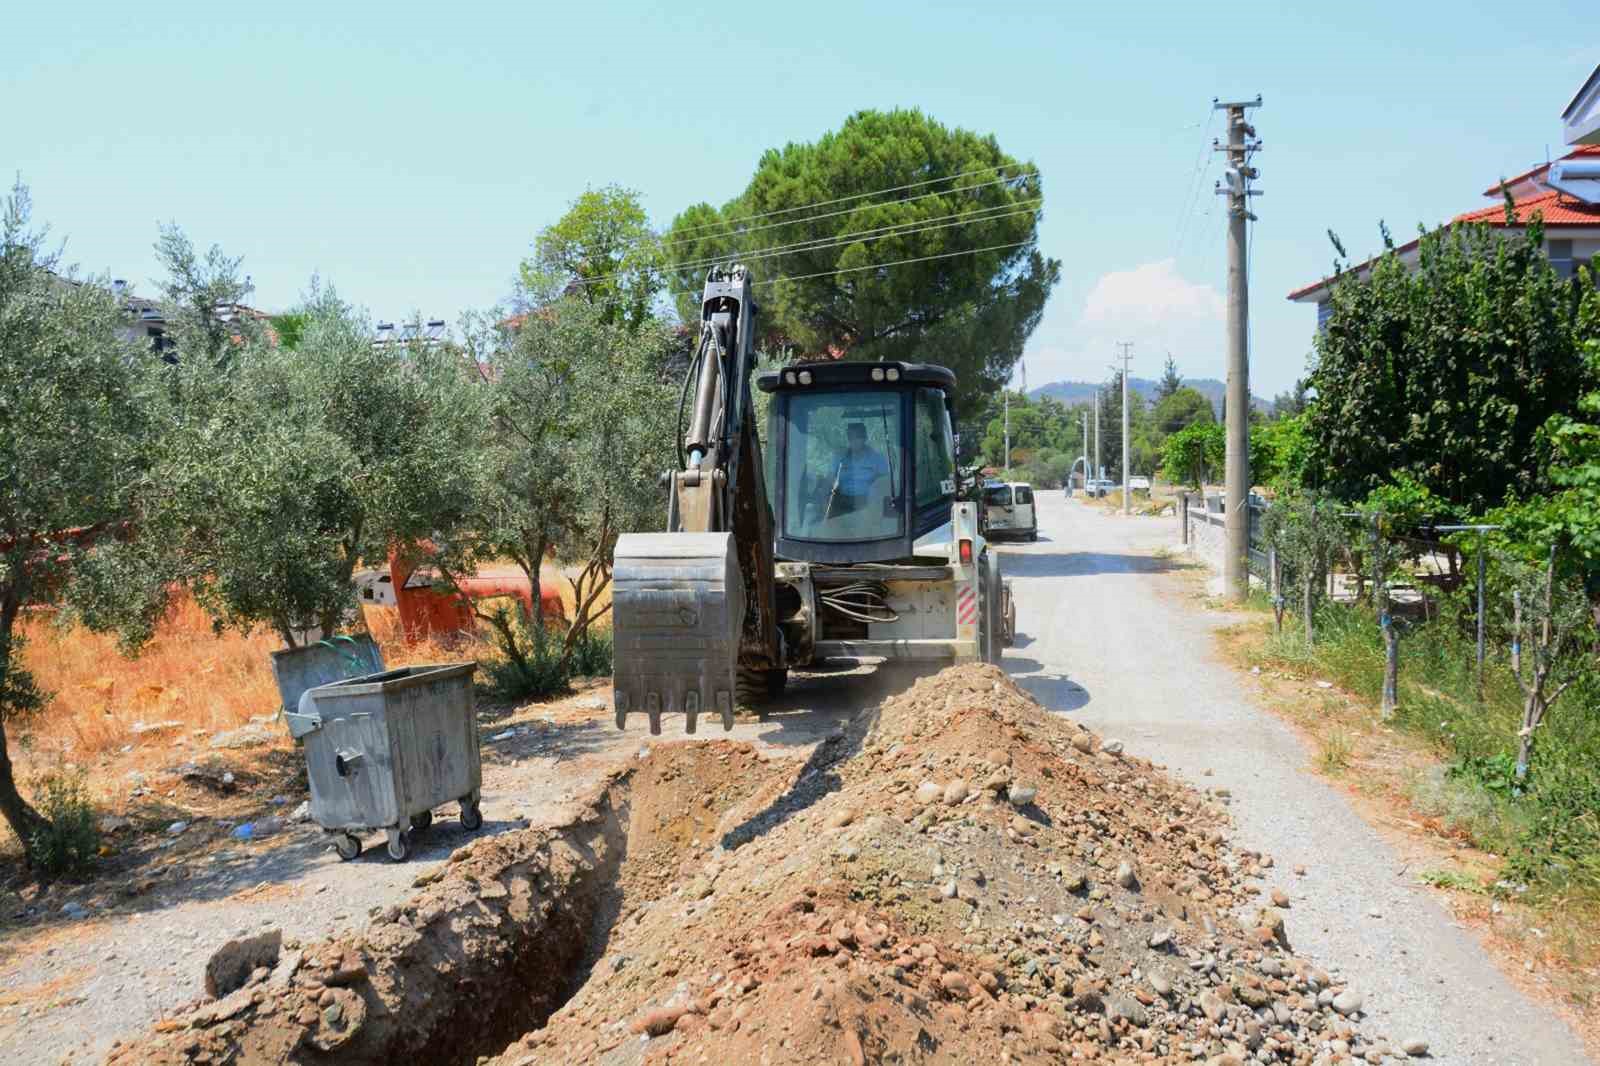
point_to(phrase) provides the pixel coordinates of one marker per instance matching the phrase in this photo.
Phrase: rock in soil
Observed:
(230, 967)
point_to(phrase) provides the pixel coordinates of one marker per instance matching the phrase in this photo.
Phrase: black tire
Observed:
(989, 649)
(471, 818)
(1033, 535)
(347, 845)
(421, 822)
(399, 848)
(759, 687)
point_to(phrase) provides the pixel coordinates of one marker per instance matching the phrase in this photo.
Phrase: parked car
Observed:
(1009, 510)
(1138, 482)
(1099, 486)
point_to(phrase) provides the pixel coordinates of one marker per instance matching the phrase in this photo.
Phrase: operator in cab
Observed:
(858, 468)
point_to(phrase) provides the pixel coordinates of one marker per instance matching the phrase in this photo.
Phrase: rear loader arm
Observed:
(690, 612)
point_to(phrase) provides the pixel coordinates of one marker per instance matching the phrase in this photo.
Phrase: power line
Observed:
(1031, 171)
(875, 266)
(899, 229)
(1181, 230)
(834, 214)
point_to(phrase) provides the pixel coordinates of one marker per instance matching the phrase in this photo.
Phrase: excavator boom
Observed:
(691, 604)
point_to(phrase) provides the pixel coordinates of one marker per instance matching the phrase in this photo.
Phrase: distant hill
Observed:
(1071, 392)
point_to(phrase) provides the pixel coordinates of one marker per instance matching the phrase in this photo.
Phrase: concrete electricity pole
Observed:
(1236, 413)
(1125, 346)
(1086, 452)
(1007, 461)
(1098, 469)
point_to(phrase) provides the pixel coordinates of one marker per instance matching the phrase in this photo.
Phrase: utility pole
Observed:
(1086, 453)
(1126, 496)
(1235, 186)
(1007, 461)
(1098, 470)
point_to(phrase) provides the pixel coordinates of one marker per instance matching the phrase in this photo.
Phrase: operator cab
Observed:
(860, 458)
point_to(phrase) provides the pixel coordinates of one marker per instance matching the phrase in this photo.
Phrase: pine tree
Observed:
(1171, 381)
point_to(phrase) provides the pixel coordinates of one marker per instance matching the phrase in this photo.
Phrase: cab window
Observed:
(998, 496)
(843, 466)
(935, 444)
(1024, 495)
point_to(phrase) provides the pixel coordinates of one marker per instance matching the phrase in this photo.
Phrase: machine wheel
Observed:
(347, 845)
(399, 846)
(421, 822)
(988, 616)
(757, 687)
(471, 817)
(1033, 534)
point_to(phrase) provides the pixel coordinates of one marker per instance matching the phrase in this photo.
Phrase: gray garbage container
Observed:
(383, 750)
(323, 662)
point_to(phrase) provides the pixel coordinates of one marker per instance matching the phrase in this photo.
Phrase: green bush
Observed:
(594, 654)
(68, 840)
(531, 664)
(528, 669)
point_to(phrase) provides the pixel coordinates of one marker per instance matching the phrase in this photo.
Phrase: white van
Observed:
(1009, 510)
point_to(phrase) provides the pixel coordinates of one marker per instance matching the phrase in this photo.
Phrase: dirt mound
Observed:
(958, 878)
(963, 878)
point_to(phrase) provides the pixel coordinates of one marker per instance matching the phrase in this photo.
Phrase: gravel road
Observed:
(1106, 639)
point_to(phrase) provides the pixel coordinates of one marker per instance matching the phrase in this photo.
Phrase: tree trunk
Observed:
(1309, 582)
(20, 815)
(1391, 664)
(1516, 634)
(1530, 715)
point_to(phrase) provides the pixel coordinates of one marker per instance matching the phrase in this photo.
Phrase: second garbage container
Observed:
(383, 750)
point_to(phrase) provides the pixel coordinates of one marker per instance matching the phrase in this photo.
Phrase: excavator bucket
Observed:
(677, 604)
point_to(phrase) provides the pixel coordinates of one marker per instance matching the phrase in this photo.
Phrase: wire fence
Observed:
(1526, 606)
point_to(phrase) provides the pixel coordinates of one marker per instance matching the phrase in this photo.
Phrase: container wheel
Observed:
(421, 822)
(399, 846)
(347, 845)
(471, 817)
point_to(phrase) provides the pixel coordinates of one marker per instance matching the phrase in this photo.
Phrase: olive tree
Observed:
(1552, 602)
(1306, 531)
(581, 429)
(71, 426)
(279, 470)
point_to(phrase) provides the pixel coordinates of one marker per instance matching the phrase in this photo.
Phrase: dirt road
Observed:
(1108, 639)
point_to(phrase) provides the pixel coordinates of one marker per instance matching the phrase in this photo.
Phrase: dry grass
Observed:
(187, 674)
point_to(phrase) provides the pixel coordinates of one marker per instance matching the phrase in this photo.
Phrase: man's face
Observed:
(858, 439)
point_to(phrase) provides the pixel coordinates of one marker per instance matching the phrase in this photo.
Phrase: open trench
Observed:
(496, 940)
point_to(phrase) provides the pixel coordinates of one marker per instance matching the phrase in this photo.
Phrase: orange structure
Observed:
(431, 611)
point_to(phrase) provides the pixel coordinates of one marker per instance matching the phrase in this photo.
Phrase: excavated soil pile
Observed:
(498, 937)
(962, 879)
(958, 878)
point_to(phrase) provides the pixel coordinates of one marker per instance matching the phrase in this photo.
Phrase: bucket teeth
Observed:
(678, 610)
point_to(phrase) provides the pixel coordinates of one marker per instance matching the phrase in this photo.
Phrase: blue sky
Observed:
(408, 153)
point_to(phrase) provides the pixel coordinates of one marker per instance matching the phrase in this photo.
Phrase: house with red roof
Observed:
(1565, 193)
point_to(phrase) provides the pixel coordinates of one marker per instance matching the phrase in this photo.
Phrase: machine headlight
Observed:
(805, 377)
(894, 375)
(788, 377)
(877, 373)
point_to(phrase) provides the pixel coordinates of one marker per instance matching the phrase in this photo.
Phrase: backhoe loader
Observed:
(844, 538)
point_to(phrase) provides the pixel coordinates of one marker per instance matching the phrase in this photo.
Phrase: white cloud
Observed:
(1152, 306)
(1151, 295)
